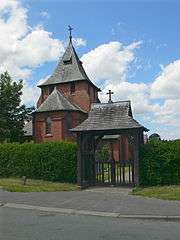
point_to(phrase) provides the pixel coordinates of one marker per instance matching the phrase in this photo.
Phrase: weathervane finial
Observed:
(70, 32)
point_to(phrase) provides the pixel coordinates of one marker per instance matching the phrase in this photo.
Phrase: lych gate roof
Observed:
(57, 101)
(109, 116)
(68, 69)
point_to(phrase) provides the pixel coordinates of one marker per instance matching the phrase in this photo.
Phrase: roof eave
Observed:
(65, 110)
(146, 129)
(100, 130)
(76, 80)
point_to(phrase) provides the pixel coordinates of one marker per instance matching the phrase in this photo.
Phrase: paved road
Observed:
(19, 224)
(97, 199)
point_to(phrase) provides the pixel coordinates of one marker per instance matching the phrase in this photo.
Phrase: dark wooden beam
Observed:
(136, 147)
(79, 160)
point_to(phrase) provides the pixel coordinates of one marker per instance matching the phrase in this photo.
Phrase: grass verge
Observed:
(16, 185)
(161, 192)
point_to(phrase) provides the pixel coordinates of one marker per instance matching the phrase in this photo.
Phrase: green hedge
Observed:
(160, 163)
(54, 161)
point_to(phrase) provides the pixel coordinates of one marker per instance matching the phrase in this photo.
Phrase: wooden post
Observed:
(136, 136)
(80, 164)
(93, 161)
(113, 180)
(141, 138)
(85, 171)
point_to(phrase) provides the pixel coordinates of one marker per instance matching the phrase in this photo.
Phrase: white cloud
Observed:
(77, 42)
(23, 47)
(13, 20)
(108, 65)
(168, 113)
(130, 91)
(36, 48)
(30, 94)
(109, 62)
(169, 133)
(44, 14)
(167, 84)
(167, 87)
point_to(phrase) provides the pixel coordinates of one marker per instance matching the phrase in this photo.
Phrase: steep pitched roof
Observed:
(57, 101)
(68, 69)
(109, 116)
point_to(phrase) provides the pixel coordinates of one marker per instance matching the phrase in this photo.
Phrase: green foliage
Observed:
(171, 192)
(160, 163)
(54, 161)
(12, 113)
(102, 153)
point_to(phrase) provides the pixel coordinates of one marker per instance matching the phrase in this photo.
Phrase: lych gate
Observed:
(108, 119)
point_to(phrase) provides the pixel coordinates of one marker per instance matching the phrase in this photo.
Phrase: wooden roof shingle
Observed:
(69, 69)
(57, 101)
(109, 116)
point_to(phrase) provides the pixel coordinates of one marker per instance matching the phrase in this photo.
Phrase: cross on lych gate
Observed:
(110, 93)
(70, 32)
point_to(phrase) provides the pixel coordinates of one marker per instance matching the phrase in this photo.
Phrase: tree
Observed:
(154, 136)
(13, 114)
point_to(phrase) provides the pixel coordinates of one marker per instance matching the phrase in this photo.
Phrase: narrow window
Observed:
(69, 120)
(42, 93)
(72, 88)
(89, 90)
(48, 125)
(51, 88)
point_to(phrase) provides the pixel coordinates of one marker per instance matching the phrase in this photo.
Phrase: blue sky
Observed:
(143, 36)
(156, 24)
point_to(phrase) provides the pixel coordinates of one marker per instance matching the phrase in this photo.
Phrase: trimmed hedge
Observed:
(54, 161)
(160, 163)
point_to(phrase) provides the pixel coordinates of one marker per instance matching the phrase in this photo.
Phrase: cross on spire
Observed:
(70, 32)
(110, 93)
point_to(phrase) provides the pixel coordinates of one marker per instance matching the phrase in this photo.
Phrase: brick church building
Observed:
(64, 103)
(65, 100)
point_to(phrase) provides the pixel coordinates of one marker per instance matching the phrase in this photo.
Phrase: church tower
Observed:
(65, 100)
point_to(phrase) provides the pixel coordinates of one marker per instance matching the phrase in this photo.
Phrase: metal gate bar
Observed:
(110, 172)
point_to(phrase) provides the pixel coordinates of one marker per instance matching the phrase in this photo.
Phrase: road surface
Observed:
(21, 224)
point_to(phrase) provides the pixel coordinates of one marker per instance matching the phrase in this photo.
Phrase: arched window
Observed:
(69, 120)
(48, 125)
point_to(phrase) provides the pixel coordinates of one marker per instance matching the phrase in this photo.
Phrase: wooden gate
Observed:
(110, 172)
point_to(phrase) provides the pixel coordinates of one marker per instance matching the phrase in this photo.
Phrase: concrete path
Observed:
(109, 200)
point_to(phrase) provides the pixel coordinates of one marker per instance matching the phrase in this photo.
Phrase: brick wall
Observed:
(83, 96)
(59, 125)
(121, 148)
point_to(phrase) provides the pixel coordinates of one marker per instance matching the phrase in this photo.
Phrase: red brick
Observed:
(83, 96)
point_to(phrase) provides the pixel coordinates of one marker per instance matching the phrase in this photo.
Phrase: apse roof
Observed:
(57, 101)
